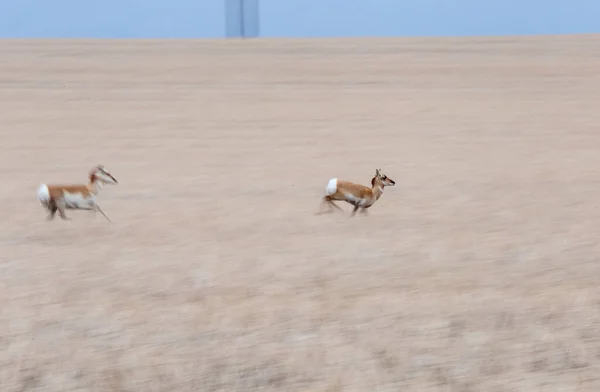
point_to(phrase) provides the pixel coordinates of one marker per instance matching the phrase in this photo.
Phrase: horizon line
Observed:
(157, 38)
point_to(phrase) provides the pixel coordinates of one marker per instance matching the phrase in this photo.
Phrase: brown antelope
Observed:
(75, 197)
(359, 196)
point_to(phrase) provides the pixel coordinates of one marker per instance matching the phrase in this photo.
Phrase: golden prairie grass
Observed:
(477, 272)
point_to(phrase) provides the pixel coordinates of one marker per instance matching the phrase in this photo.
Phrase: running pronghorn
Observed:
(75, 197)
(359, 196)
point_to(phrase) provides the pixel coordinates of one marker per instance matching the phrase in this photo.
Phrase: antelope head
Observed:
(99, 173)
(385, 180)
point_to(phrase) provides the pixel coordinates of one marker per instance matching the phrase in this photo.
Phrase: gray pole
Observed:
(242, 18)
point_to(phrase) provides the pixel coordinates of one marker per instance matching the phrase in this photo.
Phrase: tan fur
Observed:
(77, 196)
(57, 191)
(360, 196)
(358, 190)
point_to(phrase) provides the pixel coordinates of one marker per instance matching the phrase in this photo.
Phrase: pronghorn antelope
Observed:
(75, 197)
(359, 196)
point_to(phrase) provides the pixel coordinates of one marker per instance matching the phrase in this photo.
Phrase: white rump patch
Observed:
(331, 186)
(43, 194)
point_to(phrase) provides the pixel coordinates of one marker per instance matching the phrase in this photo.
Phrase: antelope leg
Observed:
(97, 208)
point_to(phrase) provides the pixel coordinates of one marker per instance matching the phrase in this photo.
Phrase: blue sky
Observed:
(297, 18)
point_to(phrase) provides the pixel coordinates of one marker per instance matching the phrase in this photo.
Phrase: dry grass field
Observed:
(477, 272)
